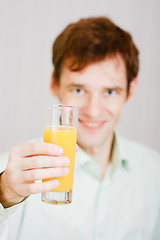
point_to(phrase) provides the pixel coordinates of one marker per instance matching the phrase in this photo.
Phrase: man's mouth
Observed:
(92, 125)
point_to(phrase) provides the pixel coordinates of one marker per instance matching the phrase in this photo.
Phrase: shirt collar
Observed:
(117, 160)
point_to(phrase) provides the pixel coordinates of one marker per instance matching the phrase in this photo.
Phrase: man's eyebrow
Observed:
(75, 85)
(116, 88)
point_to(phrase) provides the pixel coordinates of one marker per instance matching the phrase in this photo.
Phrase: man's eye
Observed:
(111, 92)
(78, 90)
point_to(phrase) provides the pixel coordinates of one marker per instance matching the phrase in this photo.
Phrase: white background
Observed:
(27, 31)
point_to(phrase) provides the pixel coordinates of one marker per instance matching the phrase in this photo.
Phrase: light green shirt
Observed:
(124, 205)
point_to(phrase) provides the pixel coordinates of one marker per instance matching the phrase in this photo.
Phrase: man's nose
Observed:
(93, 106)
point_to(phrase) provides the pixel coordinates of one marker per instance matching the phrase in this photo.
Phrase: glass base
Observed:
(57, 198)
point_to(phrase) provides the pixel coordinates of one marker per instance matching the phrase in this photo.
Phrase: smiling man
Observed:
(100, 91)
(117, 181)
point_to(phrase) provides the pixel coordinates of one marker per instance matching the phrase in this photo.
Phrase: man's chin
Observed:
(93, 138)
(90, 144)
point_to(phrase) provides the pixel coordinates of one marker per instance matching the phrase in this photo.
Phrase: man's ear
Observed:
(53, 85)
(132, 88)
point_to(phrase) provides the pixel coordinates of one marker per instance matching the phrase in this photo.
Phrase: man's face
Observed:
(100, 91)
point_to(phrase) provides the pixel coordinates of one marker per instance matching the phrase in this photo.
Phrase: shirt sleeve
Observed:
(3, 223)
(4, 214)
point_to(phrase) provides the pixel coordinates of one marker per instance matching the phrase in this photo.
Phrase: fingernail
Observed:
(59, 150)
(66, 161)
(66, 170)
(56, 182)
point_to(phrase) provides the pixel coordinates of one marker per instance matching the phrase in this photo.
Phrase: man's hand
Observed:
(28, 163)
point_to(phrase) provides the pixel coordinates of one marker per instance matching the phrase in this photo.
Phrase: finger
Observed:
(44, 162)
(34, 188)
(38, 148)
(39, 174)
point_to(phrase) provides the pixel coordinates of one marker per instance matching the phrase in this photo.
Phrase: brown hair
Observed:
(91, 40)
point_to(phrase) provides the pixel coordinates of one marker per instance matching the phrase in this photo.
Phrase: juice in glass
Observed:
(66, 138)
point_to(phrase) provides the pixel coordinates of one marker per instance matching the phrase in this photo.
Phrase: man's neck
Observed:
(101, 154)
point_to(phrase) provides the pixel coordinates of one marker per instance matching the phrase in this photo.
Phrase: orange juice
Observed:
(66, 138)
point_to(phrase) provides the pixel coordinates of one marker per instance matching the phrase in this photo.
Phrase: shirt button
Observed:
(100, 234)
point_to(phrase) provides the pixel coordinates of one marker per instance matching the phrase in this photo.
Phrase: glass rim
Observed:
(60, 106)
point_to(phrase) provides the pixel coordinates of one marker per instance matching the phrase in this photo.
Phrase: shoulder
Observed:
(138, 148)
(139, 155)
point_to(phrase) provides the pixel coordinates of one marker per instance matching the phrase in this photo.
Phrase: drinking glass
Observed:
(61, 129)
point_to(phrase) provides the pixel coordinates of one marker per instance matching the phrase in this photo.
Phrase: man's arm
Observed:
(28, 163)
